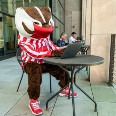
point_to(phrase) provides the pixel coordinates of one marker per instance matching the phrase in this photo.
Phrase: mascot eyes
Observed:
(46, 25)
(38, 23)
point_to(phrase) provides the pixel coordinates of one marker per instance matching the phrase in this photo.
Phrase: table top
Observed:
(79, 60)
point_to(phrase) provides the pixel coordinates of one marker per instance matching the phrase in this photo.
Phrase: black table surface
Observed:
(79, 60)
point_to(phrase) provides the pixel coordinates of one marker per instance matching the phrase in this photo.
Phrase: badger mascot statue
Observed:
(35, 24)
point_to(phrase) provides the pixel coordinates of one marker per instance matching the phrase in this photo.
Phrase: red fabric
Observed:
(35, 49)
(34, 106)
(41, 32)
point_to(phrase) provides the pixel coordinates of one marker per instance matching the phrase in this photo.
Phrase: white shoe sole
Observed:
(33, 112)
(64, 95)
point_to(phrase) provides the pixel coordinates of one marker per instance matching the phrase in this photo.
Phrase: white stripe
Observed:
(33, 59)
(34, 52)
(51, 21)
(27, 58)
(49, 9)
(40, 14)
(26, 15)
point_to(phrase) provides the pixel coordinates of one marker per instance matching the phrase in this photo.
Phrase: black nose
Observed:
(46, 25)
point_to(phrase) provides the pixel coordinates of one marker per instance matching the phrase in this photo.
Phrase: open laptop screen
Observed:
(71, 50)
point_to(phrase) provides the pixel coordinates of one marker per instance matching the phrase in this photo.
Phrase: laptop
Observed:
(71, 50)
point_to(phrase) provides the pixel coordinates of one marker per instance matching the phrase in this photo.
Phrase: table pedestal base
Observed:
(72, 82)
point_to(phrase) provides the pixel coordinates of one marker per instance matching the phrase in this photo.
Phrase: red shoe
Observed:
(66, 91)
(34, 107)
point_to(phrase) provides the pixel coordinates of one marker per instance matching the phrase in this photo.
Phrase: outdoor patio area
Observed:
(14, 103)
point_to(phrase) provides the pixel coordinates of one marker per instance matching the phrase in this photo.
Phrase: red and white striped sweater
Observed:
(35, 49)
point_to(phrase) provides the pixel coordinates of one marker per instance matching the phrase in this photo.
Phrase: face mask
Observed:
(41, 32)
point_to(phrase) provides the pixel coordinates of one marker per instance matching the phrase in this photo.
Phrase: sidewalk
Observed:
(14, 103)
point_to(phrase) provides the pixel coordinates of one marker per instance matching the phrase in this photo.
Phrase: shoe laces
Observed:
(67, 90)
(35, 105)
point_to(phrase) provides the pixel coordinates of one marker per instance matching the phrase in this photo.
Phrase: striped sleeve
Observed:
(31, 51)
(52, 45)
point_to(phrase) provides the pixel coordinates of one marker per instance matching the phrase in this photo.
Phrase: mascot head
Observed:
(34, 21)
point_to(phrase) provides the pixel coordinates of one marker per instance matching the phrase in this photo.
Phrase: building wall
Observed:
(97, 24)
(58, 10)
(73, 16)
(100, 16)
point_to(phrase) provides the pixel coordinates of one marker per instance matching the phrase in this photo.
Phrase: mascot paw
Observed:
(57, 53)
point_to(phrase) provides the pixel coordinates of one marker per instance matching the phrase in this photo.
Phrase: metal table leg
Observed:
(72, 80)
(71, 87)
(84, 91)
(54, 96)
(59, 90)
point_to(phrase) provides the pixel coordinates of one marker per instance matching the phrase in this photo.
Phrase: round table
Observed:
(79, 60)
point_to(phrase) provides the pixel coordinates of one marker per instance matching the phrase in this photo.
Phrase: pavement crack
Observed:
(54, 105)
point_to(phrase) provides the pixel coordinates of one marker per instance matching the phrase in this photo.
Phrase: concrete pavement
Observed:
(14, 103)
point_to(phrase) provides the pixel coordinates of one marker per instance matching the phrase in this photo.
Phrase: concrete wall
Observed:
(97, 24)
(100, 24)
(73, 16)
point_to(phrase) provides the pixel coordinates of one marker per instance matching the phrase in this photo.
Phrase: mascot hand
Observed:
(57, 52)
